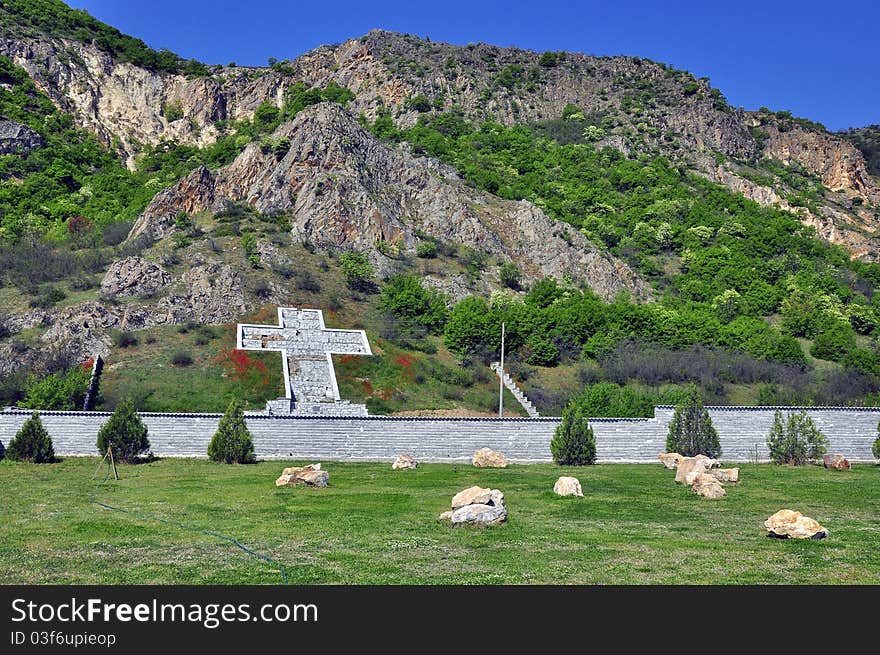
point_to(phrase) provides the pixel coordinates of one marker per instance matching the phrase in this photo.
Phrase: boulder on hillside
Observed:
(791, 524)
(488, 458)
(568, 486)
(836, 462)
(134, 276)
(311, 475)
(669, 460)
(17, 138)
(404, 462)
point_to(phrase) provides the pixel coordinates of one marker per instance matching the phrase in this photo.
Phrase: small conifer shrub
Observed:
(232, 443)
(32, 443)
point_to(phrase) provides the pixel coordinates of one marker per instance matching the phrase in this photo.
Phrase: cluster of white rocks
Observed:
(485, 507)
(702, 474)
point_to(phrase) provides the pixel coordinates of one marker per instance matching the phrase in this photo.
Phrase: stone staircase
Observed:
(519, 395)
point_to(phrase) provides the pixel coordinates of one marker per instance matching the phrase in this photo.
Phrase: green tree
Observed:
(573, 442)
(415, 307)
(232, 442)
(542, 351)
(510, 275)
(32, 443)
(417, 103)
(796, 440)
(466, 328)
(691, 431)
(834, 344)
(357, 270)
(58, 391)
(875, 449)
(125, 433)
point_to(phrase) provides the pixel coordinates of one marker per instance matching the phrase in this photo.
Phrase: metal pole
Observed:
(501, 377)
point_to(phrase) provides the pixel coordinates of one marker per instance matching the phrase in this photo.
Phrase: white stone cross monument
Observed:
(306, 348)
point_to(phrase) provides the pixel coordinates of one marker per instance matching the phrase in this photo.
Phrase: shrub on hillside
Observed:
(573, 442)
(796, 440)
(181, 358)
(125, 433)
(426, 250)
(32, 443)
(60, 391)
(691, 431)
(232, 442)
(416, 308)
(510, 275)
(124, 339)
(357, 270)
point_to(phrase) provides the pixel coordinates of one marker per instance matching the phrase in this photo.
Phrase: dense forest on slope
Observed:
(730, 274)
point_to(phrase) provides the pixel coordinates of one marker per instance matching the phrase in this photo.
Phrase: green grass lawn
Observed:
(378, 526)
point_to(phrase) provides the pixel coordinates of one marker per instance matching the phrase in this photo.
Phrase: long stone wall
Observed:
(851, 431)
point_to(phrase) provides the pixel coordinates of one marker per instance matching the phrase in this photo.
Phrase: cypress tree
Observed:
(573, 442)
(232, 443)
(796, 440)
(125, 433)
(691, 431)
(32, 443)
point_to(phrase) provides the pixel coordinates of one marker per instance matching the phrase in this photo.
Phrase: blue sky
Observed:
(818, 60)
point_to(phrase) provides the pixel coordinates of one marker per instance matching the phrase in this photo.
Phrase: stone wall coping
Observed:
(488, 419)
(316, 417)
(781, 408)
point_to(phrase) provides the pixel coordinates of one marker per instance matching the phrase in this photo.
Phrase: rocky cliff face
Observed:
(645, 106)
(343, 189)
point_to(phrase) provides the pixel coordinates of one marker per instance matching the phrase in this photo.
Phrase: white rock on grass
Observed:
(791, 524)
(476, 506)
(488, 458)
(404, 462)
(568, 486)
(310, 475)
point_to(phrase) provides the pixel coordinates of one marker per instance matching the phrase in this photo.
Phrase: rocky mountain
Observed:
(640, 105)
(345, 190)
(243, 186)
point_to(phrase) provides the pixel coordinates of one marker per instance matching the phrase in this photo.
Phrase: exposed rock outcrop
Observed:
(343, 189)
(134, 276)
(213, 294)
(685, 118)
(16, 138)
